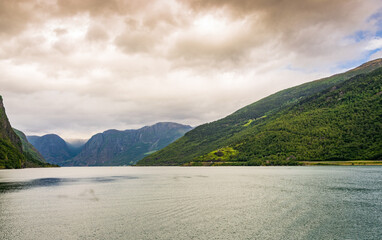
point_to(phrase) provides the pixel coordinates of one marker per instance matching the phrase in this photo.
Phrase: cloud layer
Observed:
(80, 67)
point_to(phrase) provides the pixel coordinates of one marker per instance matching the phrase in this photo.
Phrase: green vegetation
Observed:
(342, 123)
(252, 120)
(343, 163)
(10, 145)
(28, 148)
(32, 157)
(15, 151)
(248, 123)
(225, 154)
(10, 156)
(151, 152)
(336, 118)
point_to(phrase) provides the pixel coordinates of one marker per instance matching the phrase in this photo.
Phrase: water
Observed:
(192, 203)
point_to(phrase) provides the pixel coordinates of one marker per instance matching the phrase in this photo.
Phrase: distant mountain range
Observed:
(110, 148)
(54, 149)
(335, 118)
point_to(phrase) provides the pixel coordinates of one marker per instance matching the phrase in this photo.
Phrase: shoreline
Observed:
(343, 163)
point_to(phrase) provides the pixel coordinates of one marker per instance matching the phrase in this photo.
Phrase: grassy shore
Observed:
(303, 163)
(343, 163)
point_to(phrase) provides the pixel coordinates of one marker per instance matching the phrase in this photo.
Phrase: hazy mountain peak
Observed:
(52, 147)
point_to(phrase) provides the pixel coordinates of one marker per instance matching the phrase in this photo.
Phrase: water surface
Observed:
(192, 203)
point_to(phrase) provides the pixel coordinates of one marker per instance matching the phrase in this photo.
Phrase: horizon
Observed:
(77, 69)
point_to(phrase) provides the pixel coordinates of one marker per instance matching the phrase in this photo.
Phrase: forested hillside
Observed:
(332, 118)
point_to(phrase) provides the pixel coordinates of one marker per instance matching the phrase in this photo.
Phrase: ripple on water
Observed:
(192, 203)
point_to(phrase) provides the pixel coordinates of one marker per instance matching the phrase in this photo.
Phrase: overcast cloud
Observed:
(76, 68)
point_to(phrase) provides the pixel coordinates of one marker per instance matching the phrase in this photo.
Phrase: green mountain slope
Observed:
(10, 156)
(341, 123)
(32, 157)
(10, 144)
(113, 147)
(271, 131)
(15, 151)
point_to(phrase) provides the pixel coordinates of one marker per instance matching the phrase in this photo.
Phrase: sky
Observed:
(76, 68)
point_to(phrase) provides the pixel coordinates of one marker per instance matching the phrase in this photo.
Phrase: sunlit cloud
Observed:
(374, 44)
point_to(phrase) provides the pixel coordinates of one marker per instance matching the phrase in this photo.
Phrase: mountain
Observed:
(335, 118)
(11, 155)
(54, 149)
(115, 147)
(33, 157)
(15, 151)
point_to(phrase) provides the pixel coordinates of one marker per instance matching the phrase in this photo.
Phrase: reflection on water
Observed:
(50, 182)
(192, 203)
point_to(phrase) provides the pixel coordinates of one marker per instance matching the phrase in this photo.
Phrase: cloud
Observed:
(373, 44)
(94, 7)
(81, 67)
(302, 28)
(136, 42)
(60, 31)
(96, 34)
(14, 16)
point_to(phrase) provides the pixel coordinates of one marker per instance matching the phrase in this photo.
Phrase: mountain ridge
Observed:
(210, 137)
(28, 147)
(115, 147)
(111, 147)
(52, 147)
